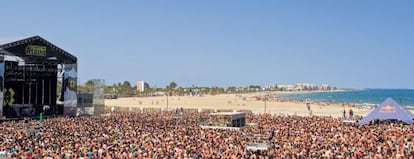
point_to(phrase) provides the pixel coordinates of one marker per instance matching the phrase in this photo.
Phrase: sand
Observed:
(234, 102)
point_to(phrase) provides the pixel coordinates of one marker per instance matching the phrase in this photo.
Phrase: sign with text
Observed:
(387, 109)
(36, 50)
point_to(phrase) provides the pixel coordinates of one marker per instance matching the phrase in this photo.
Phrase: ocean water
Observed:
(368, 96)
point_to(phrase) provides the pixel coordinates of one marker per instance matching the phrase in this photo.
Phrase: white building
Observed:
(141, 86)
(286, 87)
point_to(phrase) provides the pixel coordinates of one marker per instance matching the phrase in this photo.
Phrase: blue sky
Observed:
(352, 44)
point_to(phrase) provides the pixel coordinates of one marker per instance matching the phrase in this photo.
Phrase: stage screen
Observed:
(69, 87)
(1, 88)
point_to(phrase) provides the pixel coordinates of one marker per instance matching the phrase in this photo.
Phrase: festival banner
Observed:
(69, 86)
(1, 88)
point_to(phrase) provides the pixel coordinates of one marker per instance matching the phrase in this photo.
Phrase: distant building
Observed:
(325, 87)
(304, 86)
(300, 87)
(141, 86)
(286, 87)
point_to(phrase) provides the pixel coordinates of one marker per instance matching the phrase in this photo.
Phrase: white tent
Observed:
(389, 109)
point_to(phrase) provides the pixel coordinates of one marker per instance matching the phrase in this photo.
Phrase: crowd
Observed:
(157, 135)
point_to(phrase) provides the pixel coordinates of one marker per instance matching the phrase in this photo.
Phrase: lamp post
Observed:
(265, 102)
(167, 100)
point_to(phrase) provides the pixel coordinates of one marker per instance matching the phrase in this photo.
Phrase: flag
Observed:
(198, 120)
(41, 117)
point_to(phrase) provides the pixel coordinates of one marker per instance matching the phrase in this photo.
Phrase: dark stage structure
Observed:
(36, 77)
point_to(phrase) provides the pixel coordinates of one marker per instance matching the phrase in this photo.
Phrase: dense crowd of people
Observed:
(162, 135)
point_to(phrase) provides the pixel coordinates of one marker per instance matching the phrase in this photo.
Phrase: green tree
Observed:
(125, 88)
(231, 90)
(89, 85)
(146, 86)
(86, 88)
(172, 85)
(126, 84)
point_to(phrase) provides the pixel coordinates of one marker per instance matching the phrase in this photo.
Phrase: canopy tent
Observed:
(389, 109)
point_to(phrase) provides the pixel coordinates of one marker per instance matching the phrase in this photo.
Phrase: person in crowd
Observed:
(344, 114)
(351, 114)
(159, 135)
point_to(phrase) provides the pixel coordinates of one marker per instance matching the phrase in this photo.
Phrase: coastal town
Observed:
(207, 79)
(143, 88)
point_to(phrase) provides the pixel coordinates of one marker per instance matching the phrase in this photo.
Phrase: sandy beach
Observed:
(235, 102)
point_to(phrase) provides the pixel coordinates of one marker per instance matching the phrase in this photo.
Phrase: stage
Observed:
(36, 77)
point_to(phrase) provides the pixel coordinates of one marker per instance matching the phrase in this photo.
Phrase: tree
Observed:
(126, 89)
(172, 85)
(109, 89)
(215, 90)
(86, 88)
(254, 88)
(89, 86)
(231, 90)
(148, 91)
(126, 84)
(146, 86)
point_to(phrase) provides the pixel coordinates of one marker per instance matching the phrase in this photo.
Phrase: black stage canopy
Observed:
(31, 70)
(36, 48)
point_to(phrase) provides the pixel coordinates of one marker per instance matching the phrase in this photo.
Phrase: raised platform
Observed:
(223, 127)
(349, 121)
(226, 119)
(258, 146)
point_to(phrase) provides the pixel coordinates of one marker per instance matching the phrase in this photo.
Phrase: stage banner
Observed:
(70, 79)
(1, 88)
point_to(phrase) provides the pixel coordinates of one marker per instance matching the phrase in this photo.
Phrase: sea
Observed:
(359, 97)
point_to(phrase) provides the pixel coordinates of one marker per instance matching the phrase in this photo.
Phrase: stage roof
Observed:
(35, 48)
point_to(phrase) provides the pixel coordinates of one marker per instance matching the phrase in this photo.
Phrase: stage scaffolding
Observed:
(36, 77)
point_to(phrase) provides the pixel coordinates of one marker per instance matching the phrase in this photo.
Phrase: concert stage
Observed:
(36, 77)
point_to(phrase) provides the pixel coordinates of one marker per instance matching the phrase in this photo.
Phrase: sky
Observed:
(347, 44)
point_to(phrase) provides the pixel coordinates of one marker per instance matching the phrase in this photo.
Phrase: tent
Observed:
(389, 109)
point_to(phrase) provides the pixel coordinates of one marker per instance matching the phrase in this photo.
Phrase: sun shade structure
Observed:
(389, 110)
